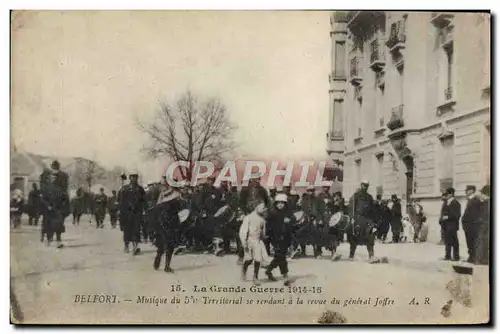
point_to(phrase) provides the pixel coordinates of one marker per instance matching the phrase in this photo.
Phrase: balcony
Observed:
(441, 20)
(397, 37)
(355, 71)
(445, 35)
(377, 55)
(335, 135)
(381, 126)
(337, 75)
(380, 79)
(396, 120)
(448, 101)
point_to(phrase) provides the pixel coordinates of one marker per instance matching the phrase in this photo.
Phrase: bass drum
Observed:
(335, 219)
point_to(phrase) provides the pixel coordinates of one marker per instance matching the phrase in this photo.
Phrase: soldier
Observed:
(272, 193)
(252, 233)
(361, 212)
(132, 205)
(450, 220)
(167, 226)
(77, 206)
(56, 207)
(211, 203)
(34, 205)
(280, 230)
(320, 203)
(113, 205)
(101, 202)
(470, 221)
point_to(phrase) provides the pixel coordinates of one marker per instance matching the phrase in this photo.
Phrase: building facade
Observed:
(410, 103)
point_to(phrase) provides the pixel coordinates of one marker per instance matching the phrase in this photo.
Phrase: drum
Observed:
(335, 219)
(299, 217)
(225, 213)
(183, 215)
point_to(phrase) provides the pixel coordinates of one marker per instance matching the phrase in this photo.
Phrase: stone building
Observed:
(410, 103)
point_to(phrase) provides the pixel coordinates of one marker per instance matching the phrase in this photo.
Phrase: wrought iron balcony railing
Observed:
(355, 70)
(397, 37)
(448, 94)
(377, 55)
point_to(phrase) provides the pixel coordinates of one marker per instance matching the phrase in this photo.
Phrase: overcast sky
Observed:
(80, 79)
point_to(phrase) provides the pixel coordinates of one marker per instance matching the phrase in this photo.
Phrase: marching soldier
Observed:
(361, 211)
(101, 202)
(77, 206)
(167, 226)
(34, 205)
(211, 202)
(132, 205)
(55, 202)
(113, 205)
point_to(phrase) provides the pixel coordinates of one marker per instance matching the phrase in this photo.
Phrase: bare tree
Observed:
(190, 131)
(91, 172)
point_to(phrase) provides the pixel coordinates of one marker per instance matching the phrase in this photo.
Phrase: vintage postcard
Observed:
(250, 167)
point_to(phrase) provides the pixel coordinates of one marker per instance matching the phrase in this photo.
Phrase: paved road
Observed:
(46, 281)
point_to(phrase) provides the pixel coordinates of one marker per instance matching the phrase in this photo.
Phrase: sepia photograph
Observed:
(250, 167)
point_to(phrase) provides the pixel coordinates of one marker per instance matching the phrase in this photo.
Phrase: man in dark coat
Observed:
(77, 206)
(470, 220)
(113, 206)
(252, 195)
(101, 202)
(450, 220)
(279, 230)
(396, 217)
(211, 203)
(34, 205)
(167, 226)
(56, 209)
(132, 205)
(360, 229)
(482, 251)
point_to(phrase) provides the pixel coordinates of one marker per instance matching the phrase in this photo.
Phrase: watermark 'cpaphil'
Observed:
(299, 174)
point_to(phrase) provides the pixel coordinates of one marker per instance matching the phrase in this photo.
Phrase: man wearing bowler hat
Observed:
(470, 220)
(450, 219)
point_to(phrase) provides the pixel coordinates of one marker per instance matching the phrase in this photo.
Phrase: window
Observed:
(379, 105)
(380, 170)
(340, 60)
(401, 72)
(486, 156)
(358, 171)
(338, 118)
(449, 72)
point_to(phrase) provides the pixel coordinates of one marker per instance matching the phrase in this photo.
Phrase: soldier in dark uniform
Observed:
(77, 206)
(361, 213)
(231, 228)
(167, 226)
(320, 214)
(280, 230)
(450, 220)
(132, 205)
(101, 202)
(34, 205)
(211, 203)
(396, 223)
(113, 205)
(307, 232)
(56, 207)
